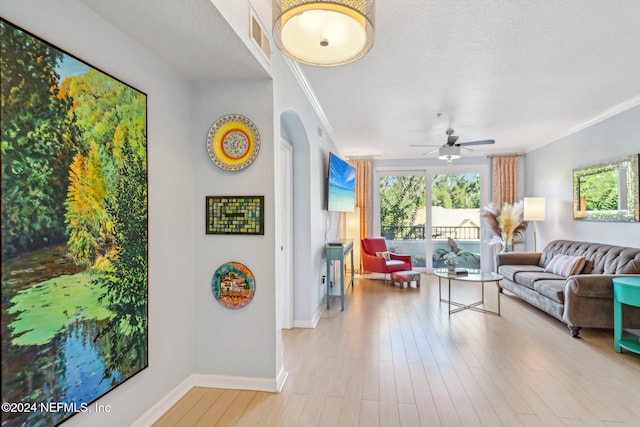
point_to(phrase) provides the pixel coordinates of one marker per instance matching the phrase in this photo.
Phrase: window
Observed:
(417, 211)
(403, 215)
(455, 218)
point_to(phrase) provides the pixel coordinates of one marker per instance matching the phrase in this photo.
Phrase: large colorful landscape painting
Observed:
(74, 232)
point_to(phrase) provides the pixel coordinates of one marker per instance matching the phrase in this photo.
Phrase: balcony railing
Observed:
(417, 232)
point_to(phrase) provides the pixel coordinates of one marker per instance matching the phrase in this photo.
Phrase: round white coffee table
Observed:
(471, 276)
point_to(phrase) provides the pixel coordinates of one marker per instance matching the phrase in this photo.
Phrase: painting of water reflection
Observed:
(74, 232)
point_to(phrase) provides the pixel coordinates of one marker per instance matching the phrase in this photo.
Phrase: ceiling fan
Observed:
(451, 150)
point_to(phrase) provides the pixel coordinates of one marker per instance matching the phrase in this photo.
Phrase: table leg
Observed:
(328, 280)
(617, 324)
(449, 299)
(342, 284)
(472, 306)
(353, 274)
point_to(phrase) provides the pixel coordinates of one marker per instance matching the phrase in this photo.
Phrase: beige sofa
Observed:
(581, 300)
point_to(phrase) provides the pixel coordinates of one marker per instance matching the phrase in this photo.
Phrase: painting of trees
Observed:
(74, 228)
(37, 139)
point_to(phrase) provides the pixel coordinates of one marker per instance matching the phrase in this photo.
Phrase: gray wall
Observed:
(549, 174)
(313, 225)
(227, 341)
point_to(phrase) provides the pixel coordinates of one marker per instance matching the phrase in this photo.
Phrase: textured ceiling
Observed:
(190, 35)
(521, 72)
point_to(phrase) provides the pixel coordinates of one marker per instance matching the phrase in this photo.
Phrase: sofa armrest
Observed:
(518, 258)
(592, 285)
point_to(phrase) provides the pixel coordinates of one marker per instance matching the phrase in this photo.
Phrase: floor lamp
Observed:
(534, 210)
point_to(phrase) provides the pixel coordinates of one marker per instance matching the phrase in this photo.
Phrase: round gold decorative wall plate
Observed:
(233, 142)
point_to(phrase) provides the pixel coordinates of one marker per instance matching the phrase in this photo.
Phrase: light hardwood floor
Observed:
(394, 357)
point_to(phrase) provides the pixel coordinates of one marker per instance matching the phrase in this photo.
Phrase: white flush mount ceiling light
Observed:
(449, 153)
(324, 33)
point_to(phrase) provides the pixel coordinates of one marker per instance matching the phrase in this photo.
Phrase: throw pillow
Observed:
(385, 255)
(565, 265)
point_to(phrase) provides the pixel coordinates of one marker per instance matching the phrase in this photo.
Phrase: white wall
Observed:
(236, 13)
(549, 174)
(313, 225)
(73, 27)
(239, 342)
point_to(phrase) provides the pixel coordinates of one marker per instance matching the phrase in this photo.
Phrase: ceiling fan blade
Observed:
(451, 139)
(484, 142)
(424, 145)
(430, 152)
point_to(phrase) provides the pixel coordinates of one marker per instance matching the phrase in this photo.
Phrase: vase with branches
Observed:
(505, 223)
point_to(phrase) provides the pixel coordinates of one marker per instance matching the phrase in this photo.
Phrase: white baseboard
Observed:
(281, 379)
(164, 404)
(236, 383)
(273, 385)
(318, 315)
(310, 324)
(303, 324)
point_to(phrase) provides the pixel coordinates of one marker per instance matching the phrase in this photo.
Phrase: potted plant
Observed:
(451, 260)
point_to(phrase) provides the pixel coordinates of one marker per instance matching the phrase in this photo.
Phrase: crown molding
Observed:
(613, 111)
(301, 78)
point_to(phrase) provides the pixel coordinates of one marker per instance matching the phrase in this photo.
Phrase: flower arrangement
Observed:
(450, 258)
(506, 224)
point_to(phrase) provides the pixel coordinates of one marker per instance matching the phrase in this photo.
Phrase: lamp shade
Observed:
(449, 152)
(324, 33)
(534, 209)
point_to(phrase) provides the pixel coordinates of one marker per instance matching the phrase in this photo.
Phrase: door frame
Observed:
(284, 239)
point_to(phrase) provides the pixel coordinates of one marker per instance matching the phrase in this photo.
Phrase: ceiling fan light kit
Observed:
(324, 33)
(451, 150)
(449, 153)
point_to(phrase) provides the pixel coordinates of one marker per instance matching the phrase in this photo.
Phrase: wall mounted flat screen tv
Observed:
(341, 196)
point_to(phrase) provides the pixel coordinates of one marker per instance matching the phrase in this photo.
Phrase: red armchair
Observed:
(378, 264)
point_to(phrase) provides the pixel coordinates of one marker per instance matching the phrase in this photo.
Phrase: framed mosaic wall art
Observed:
(74, 232)
(235, 215)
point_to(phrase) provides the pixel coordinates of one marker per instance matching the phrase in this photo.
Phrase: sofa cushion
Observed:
(509, 271)
(565, 265)
(529, 278)
(553, 289)
(384, 254)
(601, 258)
(395, 263)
